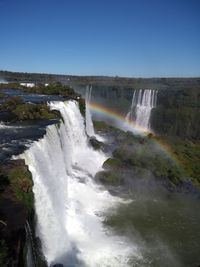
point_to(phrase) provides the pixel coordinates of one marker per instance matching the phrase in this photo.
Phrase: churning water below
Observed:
(69, 205)
(162, 229)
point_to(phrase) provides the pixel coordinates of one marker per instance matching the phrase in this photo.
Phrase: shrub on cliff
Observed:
(11, 103)
(33, 112)
(82, 106)
(21, 184)
(140, 157)
(27, 111)
(3, 253)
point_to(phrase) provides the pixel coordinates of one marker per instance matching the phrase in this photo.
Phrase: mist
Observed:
(161, 224)
(3, 81)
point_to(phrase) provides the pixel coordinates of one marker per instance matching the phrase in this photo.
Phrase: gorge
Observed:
(70, 208)
(126, 203)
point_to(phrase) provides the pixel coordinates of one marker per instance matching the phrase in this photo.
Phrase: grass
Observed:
(142, 152)
(21, 184)
(187, 153)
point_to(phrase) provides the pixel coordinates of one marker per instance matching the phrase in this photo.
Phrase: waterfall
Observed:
(69, 205)
(31, 255)
(142, 103)
(89, 123)
(3, 81)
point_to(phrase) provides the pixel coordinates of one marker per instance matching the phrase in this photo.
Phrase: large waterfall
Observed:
(142, 103)
(69, 205)
(88, 117)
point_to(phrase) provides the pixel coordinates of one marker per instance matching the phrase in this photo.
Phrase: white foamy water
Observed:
(6, 126)
(88, 116)
(142, 103)
(3, 81)
(69, 205)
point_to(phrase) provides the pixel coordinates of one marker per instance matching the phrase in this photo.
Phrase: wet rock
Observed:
(109, 178)
(95, 143)
(16, 204)
(112, 163)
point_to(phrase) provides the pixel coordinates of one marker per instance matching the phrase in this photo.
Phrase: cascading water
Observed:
(31, 258)
(69, 206)
(88, 117)
(142, 103)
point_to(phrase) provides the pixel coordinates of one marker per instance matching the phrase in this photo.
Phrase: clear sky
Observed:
(101, 37)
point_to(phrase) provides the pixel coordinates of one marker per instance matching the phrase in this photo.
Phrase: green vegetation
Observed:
(26, 77)
(142, 157)
(34, 112)
(102, 126)
(1, 95)
(16, 205)
(187, 153)
(11, 103)
(52, 89)
(112, 163)
(109, 178)
(14, 85)
(136, 83)
(3, 253)
(21, 184)
(178, 113)
(82, 106)
(27, 111)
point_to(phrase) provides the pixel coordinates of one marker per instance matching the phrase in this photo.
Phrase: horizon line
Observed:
(106, 76)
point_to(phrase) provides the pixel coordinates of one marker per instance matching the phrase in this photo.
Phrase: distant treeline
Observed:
(136, 83)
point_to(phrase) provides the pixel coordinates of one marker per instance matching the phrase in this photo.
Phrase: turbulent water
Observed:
(142, 103)
(88, 116)
(156, 228)
(69, 205)
(7, 126)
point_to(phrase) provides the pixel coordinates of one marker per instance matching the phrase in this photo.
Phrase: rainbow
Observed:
(131, 125)
(100, 109)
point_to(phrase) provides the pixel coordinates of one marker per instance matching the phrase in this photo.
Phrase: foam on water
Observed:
(6, 126)
(69, 205)
(88, 116)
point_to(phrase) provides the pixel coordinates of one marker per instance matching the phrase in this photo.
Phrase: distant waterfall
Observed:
(88, 117)
(142, 103)
(69, 205)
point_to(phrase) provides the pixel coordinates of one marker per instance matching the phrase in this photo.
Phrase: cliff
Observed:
(16, 205)
(177, 113)
(178, 104)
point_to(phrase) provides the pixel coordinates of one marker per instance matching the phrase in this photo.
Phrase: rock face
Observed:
(16, 205)
(95, 143)
(177, 113)
(178, 103)
(141, 160)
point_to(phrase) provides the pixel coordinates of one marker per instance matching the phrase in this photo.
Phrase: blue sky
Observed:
(136, 38)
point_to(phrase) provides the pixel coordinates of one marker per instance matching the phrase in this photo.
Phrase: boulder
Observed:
(95, 143)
